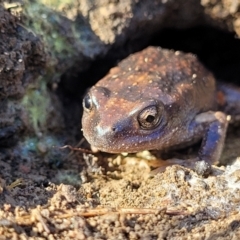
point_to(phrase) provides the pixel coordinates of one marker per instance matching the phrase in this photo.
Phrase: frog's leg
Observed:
(214, 126)
(228, 99)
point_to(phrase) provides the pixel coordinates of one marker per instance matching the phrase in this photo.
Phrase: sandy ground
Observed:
(118, 197)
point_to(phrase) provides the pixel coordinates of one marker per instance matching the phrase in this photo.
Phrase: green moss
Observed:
(36, 101)
(58, 33)
(56, 3)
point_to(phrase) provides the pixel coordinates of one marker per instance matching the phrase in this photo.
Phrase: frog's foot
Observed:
(201, 167)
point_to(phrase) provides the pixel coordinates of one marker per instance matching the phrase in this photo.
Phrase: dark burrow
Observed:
(218, 50)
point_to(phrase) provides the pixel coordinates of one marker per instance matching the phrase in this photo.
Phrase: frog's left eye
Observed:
(87, 102)
(149, 117)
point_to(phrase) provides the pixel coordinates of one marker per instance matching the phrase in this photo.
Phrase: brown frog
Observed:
(159, 99)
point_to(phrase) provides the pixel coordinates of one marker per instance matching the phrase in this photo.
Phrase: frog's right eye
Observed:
(149, 117)
(87, 102)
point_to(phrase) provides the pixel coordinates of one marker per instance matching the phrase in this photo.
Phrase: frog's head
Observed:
(114, 124)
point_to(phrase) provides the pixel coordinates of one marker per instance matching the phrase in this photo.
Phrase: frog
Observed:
(160, 99)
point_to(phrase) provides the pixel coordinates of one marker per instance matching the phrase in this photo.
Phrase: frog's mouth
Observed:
(126, 141)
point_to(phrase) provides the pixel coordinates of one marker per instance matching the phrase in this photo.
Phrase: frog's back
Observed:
(172, 77)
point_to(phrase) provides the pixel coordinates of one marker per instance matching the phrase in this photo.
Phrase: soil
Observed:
(104, 196)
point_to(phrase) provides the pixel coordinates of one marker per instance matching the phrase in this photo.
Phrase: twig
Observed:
(77, 149)
(103, 211)
(37, 215)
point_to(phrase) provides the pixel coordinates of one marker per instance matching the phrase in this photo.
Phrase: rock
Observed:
(22, 56)
(119, 21)
(21, 60)
(223, 14)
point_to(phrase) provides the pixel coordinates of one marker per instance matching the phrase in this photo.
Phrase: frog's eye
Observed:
(87, 102)
(149, 117)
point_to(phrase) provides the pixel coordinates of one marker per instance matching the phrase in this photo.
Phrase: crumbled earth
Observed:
(106, 196)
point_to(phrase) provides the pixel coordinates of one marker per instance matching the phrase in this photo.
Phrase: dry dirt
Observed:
(118, 197)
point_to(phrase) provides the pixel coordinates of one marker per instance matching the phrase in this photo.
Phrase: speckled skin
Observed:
(182, 93)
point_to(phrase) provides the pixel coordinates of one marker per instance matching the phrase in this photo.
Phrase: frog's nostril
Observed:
(117, 128)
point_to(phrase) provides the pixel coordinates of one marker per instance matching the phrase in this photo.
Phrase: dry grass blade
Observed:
(14, 184)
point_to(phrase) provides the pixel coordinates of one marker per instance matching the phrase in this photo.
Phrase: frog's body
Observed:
(155, 99)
